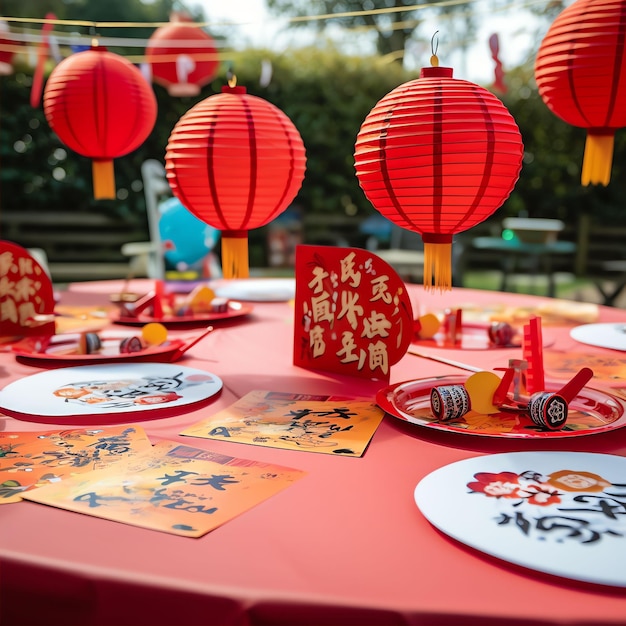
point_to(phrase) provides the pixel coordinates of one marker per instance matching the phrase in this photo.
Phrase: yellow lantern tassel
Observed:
(103, 179)
(235, 254)
(597, 159)
(437, 266)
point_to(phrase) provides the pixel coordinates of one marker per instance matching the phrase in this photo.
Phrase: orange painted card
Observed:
(294, 422)
(32, 459)
(171, 488)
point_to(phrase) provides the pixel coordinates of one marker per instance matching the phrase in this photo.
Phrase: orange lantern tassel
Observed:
(103, 179)
(235, 262)
(597, 159)
(437, 265)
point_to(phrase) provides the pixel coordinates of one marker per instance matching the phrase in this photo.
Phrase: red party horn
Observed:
(571, 389)
(499, 395)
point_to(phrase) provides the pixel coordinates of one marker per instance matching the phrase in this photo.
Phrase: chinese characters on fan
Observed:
(18, 289)
(351, 312)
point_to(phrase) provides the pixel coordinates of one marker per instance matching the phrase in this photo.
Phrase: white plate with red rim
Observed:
(107, 393)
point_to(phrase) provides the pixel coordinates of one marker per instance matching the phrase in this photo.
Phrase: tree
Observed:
(91, 10)
(36, 171)
(394, 25)
(327, 96)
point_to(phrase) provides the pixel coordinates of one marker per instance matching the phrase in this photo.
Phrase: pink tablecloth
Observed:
(344, 545)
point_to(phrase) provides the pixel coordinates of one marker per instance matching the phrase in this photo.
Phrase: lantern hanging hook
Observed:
(93, 33)
(231, 77)
(434, 46)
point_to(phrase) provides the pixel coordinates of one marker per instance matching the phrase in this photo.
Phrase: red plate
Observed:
(475, 336)
(235, 310)
(57, 352)
(592, 411)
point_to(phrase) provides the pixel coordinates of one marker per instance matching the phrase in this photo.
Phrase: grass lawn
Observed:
(568, 286)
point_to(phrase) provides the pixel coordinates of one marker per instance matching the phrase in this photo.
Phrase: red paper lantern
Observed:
(7, 50)
(236, 162)
(182, 56)
(438, 155)
(100, 106)
(580, 71)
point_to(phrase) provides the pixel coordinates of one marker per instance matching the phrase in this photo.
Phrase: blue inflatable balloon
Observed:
(186, 238)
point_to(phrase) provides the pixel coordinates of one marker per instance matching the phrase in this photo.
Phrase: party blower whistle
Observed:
(546, 409)
(549, 409)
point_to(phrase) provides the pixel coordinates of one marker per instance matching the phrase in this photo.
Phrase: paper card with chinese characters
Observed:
(353, 315)
(561, 513)
(294, 422)
(172, 488)
(25, 292)
(33, 459)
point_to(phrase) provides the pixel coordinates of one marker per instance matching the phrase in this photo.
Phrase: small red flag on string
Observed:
(42, 55)
(494, 46)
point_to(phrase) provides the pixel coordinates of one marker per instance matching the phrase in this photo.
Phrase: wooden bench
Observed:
(612, 281)
(79, 245)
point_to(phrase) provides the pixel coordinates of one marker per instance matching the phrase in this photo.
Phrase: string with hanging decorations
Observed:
(181, 56)
(438, 155)
(74, 40)
(8, 44)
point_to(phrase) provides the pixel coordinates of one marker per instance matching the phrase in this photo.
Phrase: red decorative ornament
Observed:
(236, 162)
(498, 81)
(26, 294)
(580, 71)
(182, 56)
(100, 105)
(438, 155)
(8, 46)
(43, 51)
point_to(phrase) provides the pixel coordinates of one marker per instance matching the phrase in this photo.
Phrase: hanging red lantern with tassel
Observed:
(183, 58)
(236, 162)
(580, 71)
(99, 105)
(438, 155)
